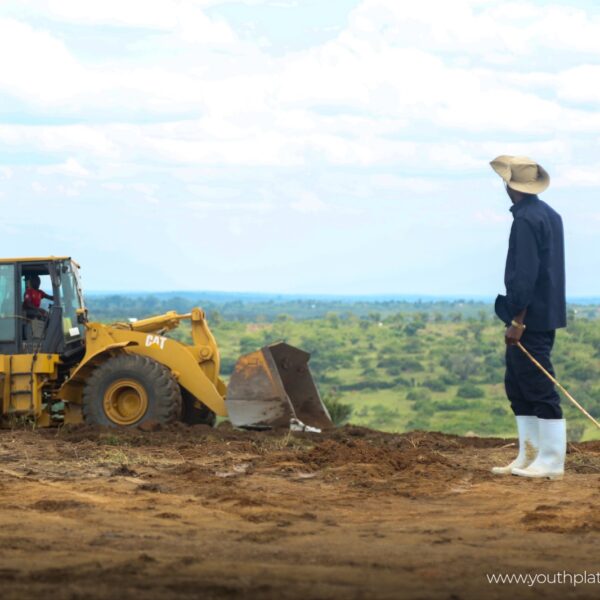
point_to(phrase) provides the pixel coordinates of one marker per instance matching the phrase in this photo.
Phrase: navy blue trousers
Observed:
(530, 392)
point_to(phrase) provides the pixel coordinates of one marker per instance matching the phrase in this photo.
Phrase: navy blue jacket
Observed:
(535, 267)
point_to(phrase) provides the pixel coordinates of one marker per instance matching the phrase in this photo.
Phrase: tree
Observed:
(463, 365)
(214, 318)
(470, 390)
(339, 412)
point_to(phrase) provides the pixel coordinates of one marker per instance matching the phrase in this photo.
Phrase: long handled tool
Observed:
(557, 384)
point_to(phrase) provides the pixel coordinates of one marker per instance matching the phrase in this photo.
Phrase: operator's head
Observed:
(35, 282)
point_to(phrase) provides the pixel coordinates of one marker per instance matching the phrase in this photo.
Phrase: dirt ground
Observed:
(190, 512)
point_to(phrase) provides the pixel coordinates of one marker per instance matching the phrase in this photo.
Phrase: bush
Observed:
(383, 412)
(339, 412)
(249, 343)
(365, 385)
(400, 364)
(369, 373)
(582, 372)
(470, 390)
(418, 395)
(393, 371)
(413, 346)
(435, 385)
(448, 379)
(494, 361)
(499, 411)
(412, 328)
(381, 416)
(462, 365)
(400, 382)
(420, 422)
(227, 365)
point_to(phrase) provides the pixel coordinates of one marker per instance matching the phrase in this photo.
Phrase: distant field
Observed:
(260, 308)
(420, 370)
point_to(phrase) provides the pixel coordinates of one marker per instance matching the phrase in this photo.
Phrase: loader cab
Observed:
(56, 328)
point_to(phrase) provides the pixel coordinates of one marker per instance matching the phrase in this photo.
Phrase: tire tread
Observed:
(165, 396)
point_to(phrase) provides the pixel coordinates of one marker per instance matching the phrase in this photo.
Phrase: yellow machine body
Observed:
(23, 379)
(49, 356)
(195, 367)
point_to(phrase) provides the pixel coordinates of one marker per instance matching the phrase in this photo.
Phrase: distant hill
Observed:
(239, 306)
(219, 296)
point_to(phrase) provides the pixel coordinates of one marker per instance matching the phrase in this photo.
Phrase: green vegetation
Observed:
(339, 412)
(267, 308)
(410, 369)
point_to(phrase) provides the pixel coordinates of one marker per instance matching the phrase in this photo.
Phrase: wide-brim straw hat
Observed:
(521, 174)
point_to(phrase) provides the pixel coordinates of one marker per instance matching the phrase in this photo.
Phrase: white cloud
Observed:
(166, 102)
(184, 17)
(71, 190)
(202, 206)
(480, 27)
(143, 188)
(308, 203)
(579, 84)
(410, 84)
(573, 176)
(113, 186)
(235, 227)
(416, 185)
(70, 168)
(44, 72)
(60, 138)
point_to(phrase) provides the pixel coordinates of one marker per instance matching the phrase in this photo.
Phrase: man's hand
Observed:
(515, 330)
(513, 335)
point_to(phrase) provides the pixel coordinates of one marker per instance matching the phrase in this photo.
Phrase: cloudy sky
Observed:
(307, 146)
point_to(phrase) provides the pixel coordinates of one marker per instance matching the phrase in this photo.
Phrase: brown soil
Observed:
(190, 512)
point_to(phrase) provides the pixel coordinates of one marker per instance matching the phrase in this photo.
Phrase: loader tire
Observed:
(192, 415)
(128, 390)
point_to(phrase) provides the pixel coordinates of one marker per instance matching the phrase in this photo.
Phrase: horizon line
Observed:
(413, 297)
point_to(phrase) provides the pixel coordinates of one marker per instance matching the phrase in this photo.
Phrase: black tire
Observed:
(152, 382)
(192, 415)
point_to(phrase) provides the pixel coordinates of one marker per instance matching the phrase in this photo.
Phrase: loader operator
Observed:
(532, 309)
(33, 299)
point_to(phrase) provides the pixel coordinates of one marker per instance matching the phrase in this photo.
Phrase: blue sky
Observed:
(294, 146)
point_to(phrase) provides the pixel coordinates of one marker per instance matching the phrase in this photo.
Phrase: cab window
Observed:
(71, 301)
(7, 303)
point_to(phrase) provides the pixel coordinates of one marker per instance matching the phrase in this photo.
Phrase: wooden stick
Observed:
(557, 384)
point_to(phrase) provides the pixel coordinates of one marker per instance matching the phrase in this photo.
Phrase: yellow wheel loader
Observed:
(58, 367)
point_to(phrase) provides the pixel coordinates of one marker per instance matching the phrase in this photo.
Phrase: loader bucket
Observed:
(272, 387)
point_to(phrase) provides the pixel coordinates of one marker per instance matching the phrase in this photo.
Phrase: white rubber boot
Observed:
(550, 461)
(528, 445)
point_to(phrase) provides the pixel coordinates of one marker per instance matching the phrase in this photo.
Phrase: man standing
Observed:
(533, 308)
